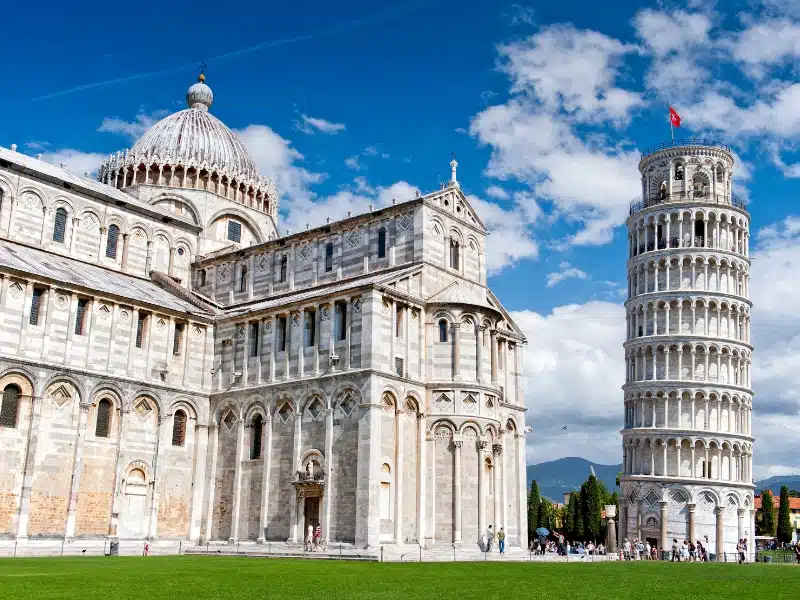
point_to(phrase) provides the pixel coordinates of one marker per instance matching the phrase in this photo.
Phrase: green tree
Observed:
(571, 513)
(533, 509)
(765, 517)
(594, 508)
(784, 529)
(546, 515)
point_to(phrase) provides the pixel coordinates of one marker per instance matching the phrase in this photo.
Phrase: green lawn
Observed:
(187, 578)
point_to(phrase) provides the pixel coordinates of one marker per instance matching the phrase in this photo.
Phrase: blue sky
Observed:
(546, 107)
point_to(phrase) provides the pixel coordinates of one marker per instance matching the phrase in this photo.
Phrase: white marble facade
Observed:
(171, 368)
(687, 441)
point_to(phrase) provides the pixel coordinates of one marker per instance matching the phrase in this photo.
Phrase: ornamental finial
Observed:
(453, 165)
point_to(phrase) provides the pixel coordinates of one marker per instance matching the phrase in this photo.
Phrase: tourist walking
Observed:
(489, 538)
(676, 551)
(797, 552)
(501, 541)
(309, 538)
(318, 537)
(685, 551)
(626, 548)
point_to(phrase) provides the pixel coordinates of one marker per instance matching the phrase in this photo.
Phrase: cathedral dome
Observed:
(192, 148)
(196, 137)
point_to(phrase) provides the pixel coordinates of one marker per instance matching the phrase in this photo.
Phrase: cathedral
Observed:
(171, 367)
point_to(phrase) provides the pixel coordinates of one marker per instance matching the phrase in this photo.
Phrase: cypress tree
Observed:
(784, 529)
(533, 509)
(593, 509)
(765, 519)
(569, 516)
(579, 514)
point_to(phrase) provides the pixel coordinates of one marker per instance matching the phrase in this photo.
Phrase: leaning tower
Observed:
(687, 442)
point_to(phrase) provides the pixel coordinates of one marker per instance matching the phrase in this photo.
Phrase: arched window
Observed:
(454, 252)
(10, 406)
(60, 225)
(201, 278)
(443, 330)
(284, 265)
(382, 242)
(328, 257)
(179, 428)
(111, 242)
(257, 427)
(103, 424)
(243, 279)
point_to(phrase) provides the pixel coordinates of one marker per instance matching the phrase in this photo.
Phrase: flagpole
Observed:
(671, 128)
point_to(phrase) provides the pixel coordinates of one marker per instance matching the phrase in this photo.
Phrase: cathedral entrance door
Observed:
(311, 513)
(133, 521)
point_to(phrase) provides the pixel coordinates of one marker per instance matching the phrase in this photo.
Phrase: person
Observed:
(692, 551)
(489, 538)
(647, 551)
(685, 551)
(676, 556)
(501, 540)
(146, 549)
(626, 548)
(318, 536)
(797, 552)
(309, 538)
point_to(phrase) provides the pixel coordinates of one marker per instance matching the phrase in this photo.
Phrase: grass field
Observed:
(185, 578)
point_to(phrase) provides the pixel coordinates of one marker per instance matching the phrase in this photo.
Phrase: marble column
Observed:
(198, 477)
(482, 487)
(664, 537)
(237, 482)
(691, 508)
(493, 349)
(29, 463)
(266, 452)
(398, 475)
(164, 430)
(77, 470)
(456, 351)
(421, 475)
(326, 500)
(720, 547)
(208, 504)
(497, 457)
(298, 417)
(457, 443)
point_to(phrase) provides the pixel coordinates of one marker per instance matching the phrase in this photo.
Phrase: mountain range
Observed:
(556, 477)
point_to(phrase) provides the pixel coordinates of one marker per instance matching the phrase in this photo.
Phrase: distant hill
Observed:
(774, 483)
(558, 476)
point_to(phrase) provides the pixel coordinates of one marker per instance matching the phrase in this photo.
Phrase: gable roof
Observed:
(455, 294)
(432, 197)
(327, 289)
(95, 279)
(58, 177)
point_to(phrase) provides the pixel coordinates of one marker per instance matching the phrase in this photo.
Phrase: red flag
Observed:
(674, 117)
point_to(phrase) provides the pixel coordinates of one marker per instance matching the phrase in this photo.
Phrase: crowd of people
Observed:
(638, 550)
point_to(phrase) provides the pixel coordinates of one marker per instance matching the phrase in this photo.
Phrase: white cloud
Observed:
(566, 271)
(564, 68)
(275, 157)
(132, 129)
(314, 210)
(74, 160)
(574, 371)
(767, 42)
(591, 183)
(563, 85)
(510, 238)
(496, 192)
(351, 162)
(680, 47)
(312, 125)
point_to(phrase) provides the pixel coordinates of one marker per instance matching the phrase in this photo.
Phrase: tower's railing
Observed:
(685, 142)
(638, 203)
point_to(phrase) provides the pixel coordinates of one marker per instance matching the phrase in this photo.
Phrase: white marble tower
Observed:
(687, 441)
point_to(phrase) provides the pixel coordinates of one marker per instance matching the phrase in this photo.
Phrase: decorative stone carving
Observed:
(354, 238)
